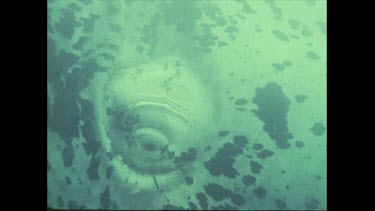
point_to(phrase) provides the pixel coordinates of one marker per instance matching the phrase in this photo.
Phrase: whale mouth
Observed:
(149, 134)
(149, 152)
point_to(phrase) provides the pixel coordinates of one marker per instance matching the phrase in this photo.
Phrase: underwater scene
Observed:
(186, 104)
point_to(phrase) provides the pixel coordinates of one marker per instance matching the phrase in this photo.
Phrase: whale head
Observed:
(154, 118)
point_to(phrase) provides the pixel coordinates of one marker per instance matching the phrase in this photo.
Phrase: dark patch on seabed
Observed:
(93, 171)
(318, 129)
(300, 98)
(172, 207)
(278, 66)
(223, 133)
(280, 204)
(248, 180)
(67, 24)
(189, 180)
(74, 6)
(240, 101)
(68, 155)
(193, 206)
(109, 172)
(188, 156)
(222, 162)
(68, 181)
(280, 35)
(89, 23)
(312, 55)
(300, 144)
(81, 42)
(202, 200)
(72, 205)
(224, 207)
(105, 199)
(258, 146)
(240, 140)
(265, 154)
(273, 107)
(260, 192)
(217, 192)
(60, 202)
(255, 167)
(238, 199)
(312, 204)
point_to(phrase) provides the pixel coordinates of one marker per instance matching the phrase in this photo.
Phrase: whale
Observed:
(153, 118)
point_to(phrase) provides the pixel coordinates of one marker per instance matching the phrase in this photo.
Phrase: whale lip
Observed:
(154, 168)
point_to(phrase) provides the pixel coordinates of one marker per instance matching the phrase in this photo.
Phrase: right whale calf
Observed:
(153, 117)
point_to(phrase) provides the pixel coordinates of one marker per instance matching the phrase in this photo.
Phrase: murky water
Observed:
(177, 104)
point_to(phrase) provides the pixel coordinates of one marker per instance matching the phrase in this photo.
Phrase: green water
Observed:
(178, 104)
